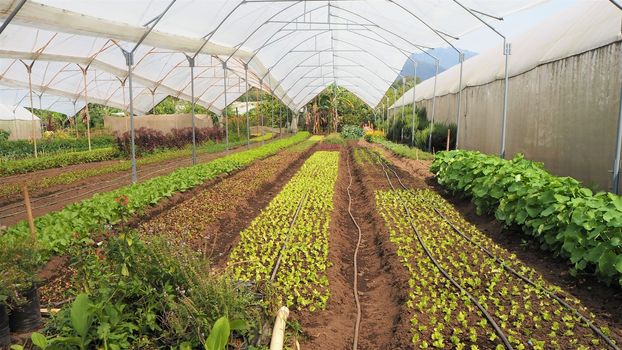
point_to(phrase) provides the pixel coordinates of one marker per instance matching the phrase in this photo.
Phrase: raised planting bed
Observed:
(437, 245)
(565, 217)
(78, 222)
(292, 233)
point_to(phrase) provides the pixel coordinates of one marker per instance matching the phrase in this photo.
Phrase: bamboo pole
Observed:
(31, 220)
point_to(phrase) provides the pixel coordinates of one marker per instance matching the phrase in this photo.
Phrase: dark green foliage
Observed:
(22, 166)
(351, 132)
(4, 135)
(565, 217)
(57, 231)
(146, 294)
(22, 148)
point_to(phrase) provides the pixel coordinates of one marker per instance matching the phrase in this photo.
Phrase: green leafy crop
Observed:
(301, 279)
(57, 231)
(567, 218)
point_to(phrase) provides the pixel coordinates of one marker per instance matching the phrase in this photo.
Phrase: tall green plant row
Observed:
(565, 217)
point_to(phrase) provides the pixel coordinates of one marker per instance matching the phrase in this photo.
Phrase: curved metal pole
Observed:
(433, 109)
(506, 52)
(12, 15)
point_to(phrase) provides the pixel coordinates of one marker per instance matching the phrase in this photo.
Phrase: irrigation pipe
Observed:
(508, 268)
(488, 317)
(289, 231)
(176, 164)
(357, 324)
(530, 282)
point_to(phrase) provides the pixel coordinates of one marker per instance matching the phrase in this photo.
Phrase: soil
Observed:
(381, 277)
(57, 197)
(602, 300)
(203, 215)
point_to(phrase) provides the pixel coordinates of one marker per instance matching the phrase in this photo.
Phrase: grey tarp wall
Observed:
(562, 113)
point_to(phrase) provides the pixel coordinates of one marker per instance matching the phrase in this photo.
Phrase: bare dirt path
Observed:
(57, 197)
(379, 273)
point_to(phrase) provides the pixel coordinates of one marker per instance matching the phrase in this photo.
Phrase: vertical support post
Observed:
(191, 63)
(32, 115)
(86, 106)
(271, 111)
(75, 118)
(280, 120)
(386, 115)
(433, 108)
(258, 111)
(615, 181)
(335, 107)
(461, 58)
(129, 61)
(412, 135)
(248, 113)
(224, 68)
(403, 109)
(393, 115)
(507, 48)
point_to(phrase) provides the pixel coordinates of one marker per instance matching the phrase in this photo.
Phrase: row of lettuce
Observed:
(57, 231)
(566, 218)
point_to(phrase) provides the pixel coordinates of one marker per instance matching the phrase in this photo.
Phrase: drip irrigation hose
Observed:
(528, 281)
(356, 252)
(289, 231)
(488, 317)
(519, 275)
(98, 187)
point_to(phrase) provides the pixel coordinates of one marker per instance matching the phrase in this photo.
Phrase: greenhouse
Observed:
(310, 174)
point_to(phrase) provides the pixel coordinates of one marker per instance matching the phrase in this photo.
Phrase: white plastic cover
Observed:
(294, 47)
(9, 112)
(583, 27)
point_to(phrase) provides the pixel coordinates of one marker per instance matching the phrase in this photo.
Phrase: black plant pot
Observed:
(26, 317)
(5, 334)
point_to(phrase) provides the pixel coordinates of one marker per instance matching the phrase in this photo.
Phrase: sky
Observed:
(512, 25)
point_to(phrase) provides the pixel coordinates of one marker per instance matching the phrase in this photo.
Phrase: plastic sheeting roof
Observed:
(8, 112)
(583, 27)
(295, 48)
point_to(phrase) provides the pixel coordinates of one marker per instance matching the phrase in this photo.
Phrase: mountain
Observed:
(425, 64)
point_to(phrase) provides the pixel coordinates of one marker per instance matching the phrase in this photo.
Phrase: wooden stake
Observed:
(31, 220)
(448, 137)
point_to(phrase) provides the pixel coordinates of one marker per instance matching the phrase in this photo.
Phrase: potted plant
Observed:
(19, 264)
(5, 335)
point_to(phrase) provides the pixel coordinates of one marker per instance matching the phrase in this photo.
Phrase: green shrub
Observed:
(334, 139)
(403, 150)
(21, 148)
(351, 132)
(4, 135)
(22, 166)
(565, 217)
(146, 294)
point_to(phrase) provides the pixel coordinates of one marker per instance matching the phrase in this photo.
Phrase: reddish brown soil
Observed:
(57, 197)
(605, 302)
(602, 300)
(381, 277)
(203, 217)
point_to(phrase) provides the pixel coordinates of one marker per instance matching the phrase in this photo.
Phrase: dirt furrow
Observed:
(380, 280)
